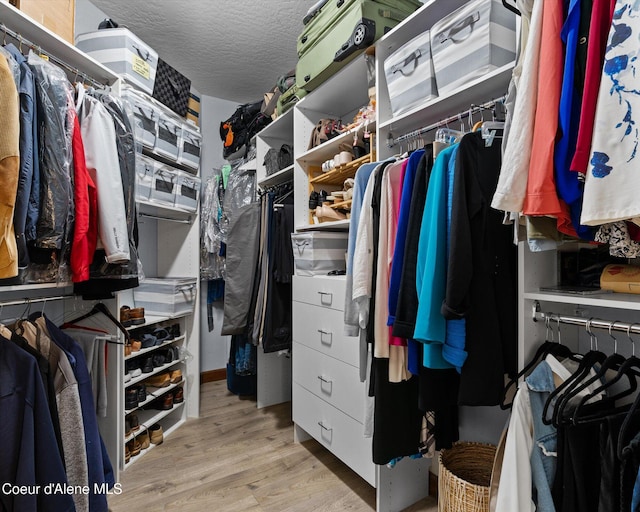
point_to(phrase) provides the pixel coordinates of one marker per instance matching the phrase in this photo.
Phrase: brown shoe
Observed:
(133, 422)
(127, 453)
(135, 345)
(144, 440)
(162, 380)
(134, 447)
(155, 434)
(178, 396)
(131, 316)
(176, 376)
(164, 403)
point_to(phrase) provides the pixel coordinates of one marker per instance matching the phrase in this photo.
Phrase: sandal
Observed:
(162, 335)
(148, 340)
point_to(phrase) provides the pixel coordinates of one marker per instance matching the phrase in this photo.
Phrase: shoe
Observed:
(131, 398)
(127, 377)
(142, 392)
(159, 360)
(127, 453)
(313, 200)
(132, 367)
(162, 335)
(164, 403)
(144, 440)
(148, 340)
(135, 345)
(127, 350)
(155, 434)
(178, 396)
(127, 427)
(162, 380)
(134, 447)
(174, 329)
(176, 376)
(131, 316)
(327, 214)
(147, 365)
(134, 422)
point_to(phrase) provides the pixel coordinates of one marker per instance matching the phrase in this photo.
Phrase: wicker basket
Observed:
(465, 477)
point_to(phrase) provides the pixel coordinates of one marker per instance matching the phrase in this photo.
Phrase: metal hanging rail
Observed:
(591, 323)
(22, 302)
(188, 220)
(473, 109)
(5, 31)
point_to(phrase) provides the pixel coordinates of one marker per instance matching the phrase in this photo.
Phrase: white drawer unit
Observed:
(323, 330)
(324, 291)
(334, 381)
(335, 430)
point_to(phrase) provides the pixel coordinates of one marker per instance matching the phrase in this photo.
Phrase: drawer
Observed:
(323, 330)
(332, 380)
(325, 291)
(340, 433)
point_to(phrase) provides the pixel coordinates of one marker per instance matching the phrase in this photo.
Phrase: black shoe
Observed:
(313, 200)
(159, 360)
(147, 365)
(142, 392)
(131, 398)
(174, 329)
(176, 352)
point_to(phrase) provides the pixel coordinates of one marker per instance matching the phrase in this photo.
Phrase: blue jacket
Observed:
(98, 462)
(29, 451)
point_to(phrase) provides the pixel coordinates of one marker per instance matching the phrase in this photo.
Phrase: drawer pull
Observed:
(328, 429)
(326, 298)
(323, 335)
(326, 381)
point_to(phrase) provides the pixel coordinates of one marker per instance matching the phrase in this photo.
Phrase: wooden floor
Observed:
(237, 458)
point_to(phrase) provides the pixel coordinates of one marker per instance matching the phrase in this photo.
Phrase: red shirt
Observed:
(601, 17)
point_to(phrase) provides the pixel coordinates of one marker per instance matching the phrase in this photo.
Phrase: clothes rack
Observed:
(587, 323)
(75, 71)
(188, 220)
(473, 109)
(20, 302)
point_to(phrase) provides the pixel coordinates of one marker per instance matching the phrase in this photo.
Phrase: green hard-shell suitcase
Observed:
(289, 98)
(341, 29)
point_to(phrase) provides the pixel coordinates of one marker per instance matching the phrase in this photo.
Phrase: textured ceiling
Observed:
(231, 49)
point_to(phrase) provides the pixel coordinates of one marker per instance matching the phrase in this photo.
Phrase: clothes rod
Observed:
(22, 40)
(188, 220)
(473, 109)
(587, 323)
(22, 302)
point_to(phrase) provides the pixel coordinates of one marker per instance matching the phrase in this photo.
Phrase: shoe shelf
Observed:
(156, 319)
(336, 225)
(251, 165)
(337, 175)
(165, 434)
(285, 174)
(143, 351)
(329, 148)
(149, 418)
(164, 211)
(151, 396)
(345, 205)
(155, 371)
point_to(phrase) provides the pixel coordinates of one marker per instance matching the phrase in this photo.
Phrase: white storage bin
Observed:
(316, 253)
(409, 73)
(145, 173)
(472, 41)
(123, 52)
(190, 145)
(145, 116)
(164, 185)
(168, 297)
(187, 191)
(168, 137)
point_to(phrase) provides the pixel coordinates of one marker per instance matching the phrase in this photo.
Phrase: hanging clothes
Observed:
(10, 169)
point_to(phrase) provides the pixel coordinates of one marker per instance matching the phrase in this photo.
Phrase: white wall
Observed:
(214, 348)
(88, 17)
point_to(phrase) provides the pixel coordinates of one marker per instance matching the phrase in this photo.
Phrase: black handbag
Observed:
(172, 88)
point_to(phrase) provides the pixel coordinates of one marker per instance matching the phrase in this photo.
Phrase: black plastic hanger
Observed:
(512, 8)
(548, 347)
(101, 308)
(586, 363)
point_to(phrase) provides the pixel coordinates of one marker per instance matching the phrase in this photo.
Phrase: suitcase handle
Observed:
(144, 56)
(399, 68)
(469, 21)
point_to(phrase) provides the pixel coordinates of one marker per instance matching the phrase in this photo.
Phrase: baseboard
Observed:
(433, 485)
(213, 375)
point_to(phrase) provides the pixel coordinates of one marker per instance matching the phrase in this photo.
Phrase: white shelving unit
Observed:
(273, 136)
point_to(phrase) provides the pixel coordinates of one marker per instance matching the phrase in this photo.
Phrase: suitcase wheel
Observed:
(360, 34)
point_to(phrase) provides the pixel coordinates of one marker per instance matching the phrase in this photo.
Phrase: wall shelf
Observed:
(336, 225)
(281, 176)
(329, 148)
(151, 396)
(337, 175)
(626, 301)
(164, 344)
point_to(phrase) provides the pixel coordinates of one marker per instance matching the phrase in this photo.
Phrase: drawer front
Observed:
(340, 433)
(326, 292)
(332, 380)
(323, 330)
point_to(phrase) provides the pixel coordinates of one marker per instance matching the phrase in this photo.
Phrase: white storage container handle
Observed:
(452, 32)
(301, 245)
(187, 288)
(413, 58)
